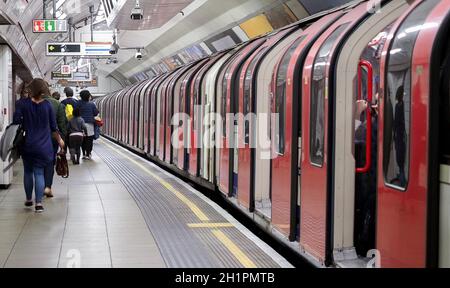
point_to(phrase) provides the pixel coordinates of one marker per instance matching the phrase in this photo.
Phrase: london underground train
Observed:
(338, 140)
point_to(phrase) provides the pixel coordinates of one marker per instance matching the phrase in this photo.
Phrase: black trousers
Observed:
(88, 143)
(75, 142)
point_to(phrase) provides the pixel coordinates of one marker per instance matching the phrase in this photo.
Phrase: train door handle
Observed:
(368, 65)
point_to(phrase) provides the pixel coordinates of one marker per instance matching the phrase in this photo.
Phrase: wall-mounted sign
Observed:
(97, 48)
(59, 75)
(49, 26)
(65, 69)
(65, 49)
(78, 49)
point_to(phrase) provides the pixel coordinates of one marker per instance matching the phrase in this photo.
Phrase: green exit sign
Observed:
(49, 26)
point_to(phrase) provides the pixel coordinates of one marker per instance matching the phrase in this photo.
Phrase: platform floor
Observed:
(120, 210)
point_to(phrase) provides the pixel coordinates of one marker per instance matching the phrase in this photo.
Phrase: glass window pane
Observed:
(247, 92)
(280, 97)
(318, 95)
(397, 110)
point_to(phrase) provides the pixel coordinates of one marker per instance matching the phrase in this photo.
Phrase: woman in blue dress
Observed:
(39, 123)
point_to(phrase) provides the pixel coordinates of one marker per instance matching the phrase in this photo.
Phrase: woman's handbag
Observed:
(62, 167)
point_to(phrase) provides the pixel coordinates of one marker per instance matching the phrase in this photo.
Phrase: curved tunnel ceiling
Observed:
(156, 13)
(20, 13)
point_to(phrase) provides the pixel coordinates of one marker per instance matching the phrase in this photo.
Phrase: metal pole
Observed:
(91, 9)
(54, 9)
(44, 13)
(69, 23)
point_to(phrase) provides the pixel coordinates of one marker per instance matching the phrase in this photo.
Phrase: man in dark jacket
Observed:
(61, 121)
(69, 100)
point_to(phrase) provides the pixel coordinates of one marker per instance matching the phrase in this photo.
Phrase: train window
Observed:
(161, 111)
(197, 102)
(247, 96)
(169, 106)
(223, 111)
(397, 111)
(280, 97)
(319, 92)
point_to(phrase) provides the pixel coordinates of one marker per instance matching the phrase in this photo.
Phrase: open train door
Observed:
(408, 183)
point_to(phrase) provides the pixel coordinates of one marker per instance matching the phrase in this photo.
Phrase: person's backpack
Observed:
(69, 111)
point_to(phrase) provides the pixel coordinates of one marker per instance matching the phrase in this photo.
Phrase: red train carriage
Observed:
(246, 101)
(316, 199)
(376, 180)
(286, 133)
(196, 116)
(413, 80)
(226, 173)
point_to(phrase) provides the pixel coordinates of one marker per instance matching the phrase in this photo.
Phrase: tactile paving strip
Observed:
(167, 218)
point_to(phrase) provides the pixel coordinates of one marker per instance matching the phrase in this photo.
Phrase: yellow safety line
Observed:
(210, 225)
(233, 248)
(169, 187)
(246, 262)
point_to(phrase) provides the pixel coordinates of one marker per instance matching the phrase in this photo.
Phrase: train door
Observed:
(127, 114)
(246, 140)
(316, 220)
(227, 151)
(144, 116)
(193, 127)
(444, 161)
(197, 126)
(209, 96)
(154, 117)
(408, 181)
(181, 123)
(221, 130)
(172, 93)
(176, 122)
(168, 120)
(354, 185)
(147, 115)
(160, 100)
(262, 106)
(134, 114)
(286, 129)
(138, 110)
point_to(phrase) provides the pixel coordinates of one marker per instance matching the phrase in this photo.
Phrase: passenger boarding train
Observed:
(342, 185)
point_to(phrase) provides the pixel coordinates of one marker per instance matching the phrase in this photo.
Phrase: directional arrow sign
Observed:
(65, 49)
(49, 26)
(59, 75)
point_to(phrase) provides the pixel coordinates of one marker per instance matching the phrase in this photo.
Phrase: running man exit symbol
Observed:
(50, 26)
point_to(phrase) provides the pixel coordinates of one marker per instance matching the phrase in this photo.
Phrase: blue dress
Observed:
(38, 121)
